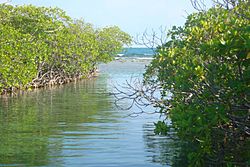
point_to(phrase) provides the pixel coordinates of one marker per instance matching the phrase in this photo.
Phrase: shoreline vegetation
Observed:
(205, 67)
(43, 46)
(199, 82)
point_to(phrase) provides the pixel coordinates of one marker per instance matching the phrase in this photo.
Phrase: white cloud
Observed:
(3, 1)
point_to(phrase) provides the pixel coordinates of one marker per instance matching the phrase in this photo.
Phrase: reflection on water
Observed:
(166, 150)
(78, 125)
(161, 147)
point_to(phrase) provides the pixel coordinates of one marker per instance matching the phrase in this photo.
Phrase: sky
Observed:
(132, 16)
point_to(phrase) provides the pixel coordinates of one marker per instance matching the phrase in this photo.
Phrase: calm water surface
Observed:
(78, 125)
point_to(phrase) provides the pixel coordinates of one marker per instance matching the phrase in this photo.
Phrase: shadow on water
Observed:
(166, 150)
(169, 150)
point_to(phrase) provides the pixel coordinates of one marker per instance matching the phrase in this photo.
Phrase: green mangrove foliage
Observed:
(205, 66)
(44, 46)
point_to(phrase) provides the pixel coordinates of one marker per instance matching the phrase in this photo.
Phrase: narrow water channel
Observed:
(78, 125)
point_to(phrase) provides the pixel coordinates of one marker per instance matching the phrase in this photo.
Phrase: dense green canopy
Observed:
(44, 46)
(205, 66)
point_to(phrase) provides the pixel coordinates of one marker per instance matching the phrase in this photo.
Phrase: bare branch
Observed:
(136, 93)
(152, 39)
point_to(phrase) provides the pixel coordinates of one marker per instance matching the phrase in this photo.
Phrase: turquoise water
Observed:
(137, 52)
(78, 125)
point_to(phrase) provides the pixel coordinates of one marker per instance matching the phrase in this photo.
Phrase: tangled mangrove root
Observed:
(51, 78)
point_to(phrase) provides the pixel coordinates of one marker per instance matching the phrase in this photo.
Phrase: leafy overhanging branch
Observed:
(205, 66)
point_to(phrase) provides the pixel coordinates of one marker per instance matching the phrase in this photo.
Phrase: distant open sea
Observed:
(136, 53)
